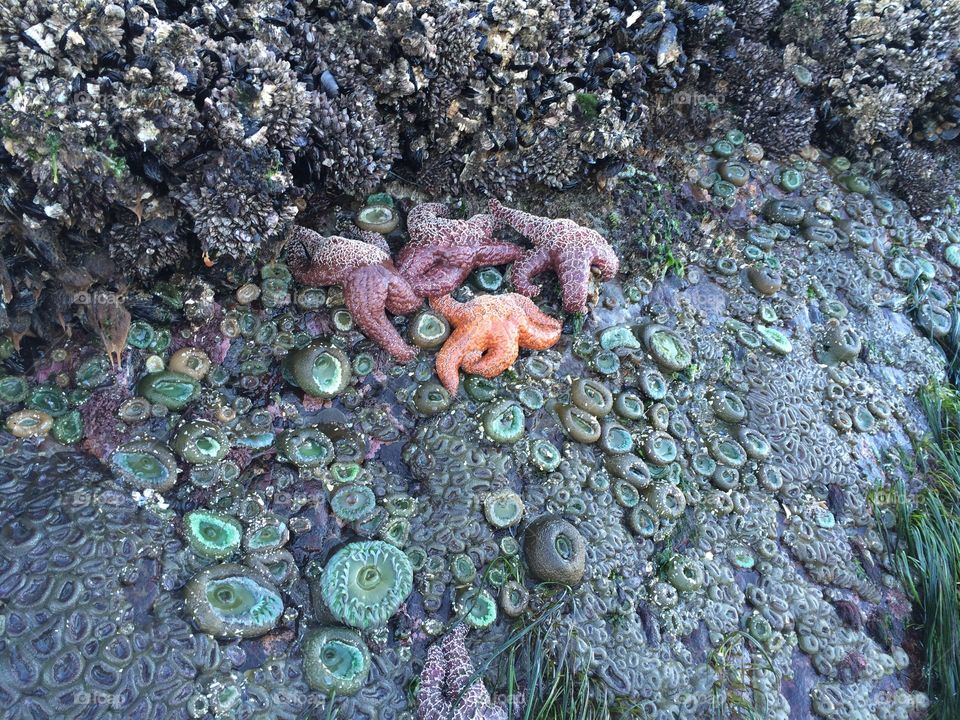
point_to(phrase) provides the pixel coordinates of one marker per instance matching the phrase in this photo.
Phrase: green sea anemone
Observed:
(628, 405)
(146, 464)
(335, 660)
(173, 390)
(431, 398)
(579, 425)
(30, 423)
(503, 508)
(306, 447)
(68, 428)
(353, 502)
(428, 330)
(212, 534)
(320, 370)
(266, 534)
(478, 608)
(364, 583)
(49, 399)
(775, 339)
(659, 448)
(514, 598)
(233, 601)
(591, 396)
(190, 361)
(503, 422)
(615, 439)
(666, 347)
(554, 550)
(13, 389)
(544, 455)
(378, 218)
(629, 467)
(618, 336)
(685, 573)
(463, 569)
(200, 442)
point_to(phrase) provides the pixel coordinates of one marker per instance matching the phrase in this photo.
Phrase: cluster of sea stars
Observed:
(489, 330)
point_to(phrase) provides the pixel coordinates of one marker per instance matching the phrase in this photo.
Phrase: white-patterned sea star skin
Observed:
(443, 692)
(371, 284)
(442, 252)
(567, 248)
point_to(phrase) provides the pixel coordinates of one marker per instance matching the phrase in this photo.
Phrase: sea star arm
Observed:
(423, 220)
(431, 704)
(435, 270)
(375, 239)
(497, 254)
(402, 299)
(524, 223)
(500, 353)
(574, 275)
(451, 356)
(299, 242)
(365, 294)
(452, 310)
(533, 263)
(606, 262)
(483, 225)
(538, 331)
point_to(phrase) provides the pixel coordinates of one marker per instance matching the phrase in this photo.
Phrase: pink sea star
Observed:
(371, 284)
(442, 252)
(444, 693)
(569, 249)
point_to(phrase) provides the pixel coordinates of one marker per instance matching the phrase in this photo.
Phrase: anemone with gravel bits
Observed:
(335, 661)
(212, 534)
(233, 601)
(306, 447)
(145, 464)
(320, 370)
(503, 422)
(200, 442)
(353, 502)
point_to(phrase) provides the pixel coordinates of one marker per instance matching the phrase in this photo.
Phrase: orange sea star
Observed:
(488, 334)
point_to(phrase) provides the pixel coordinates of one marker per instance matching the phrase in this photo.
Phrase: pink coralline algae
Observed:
(565, 247)
(444, 693)
(442, 252)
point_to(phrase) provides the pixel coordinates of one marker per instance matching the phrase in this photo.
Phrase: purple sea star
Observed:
(370, 281)
(443, 693)
(442, 252)
(567, 248)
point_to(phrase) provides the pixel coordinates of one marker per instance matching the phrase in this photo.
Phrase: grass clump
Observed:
(926, 547)
(736, 663)
(543, 680)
